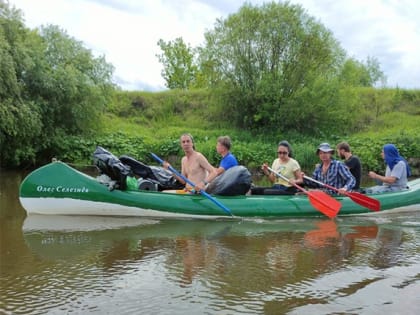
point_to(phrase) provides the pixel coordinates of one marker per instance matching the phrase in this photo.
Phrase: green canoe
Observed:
(58, 189)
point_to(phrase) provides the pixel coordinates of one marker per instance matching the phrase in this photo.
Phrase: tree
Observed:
(20, 122)
(71, 86)
(278, 67)
(376, 74)
(50, 87)
(179, 68)
(358, 74)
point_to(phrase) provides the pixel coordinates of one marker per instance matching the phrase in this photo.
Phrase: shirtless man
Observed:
(194, 165)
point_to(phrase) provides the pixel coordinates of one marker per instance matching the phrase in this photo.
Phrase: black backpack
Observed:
(235, 181)
(110, 165)
(156, 175)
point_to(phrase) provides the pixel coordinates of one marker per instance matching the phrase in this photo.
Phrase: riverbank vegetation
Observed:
(263, 74)
(138, 123)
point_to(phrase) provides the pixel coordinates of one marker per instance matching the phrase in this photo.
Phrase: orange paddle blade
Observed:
(324, 203)
(366, 201)
(363, 200)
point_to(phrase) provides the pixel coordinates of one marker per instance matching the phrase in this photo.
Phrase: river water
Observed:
(97, 265)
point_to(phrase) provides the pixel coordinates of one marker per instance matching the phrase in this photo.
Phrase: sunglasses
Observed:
(282, 152)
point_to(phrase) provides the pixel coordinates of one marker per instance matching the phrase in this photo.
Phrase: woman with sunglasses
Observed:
(287, 166)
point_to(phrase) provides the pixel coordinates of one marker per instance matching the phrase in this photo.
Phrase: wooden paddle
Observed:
(361, 199)
(319, 199)
(193, 185)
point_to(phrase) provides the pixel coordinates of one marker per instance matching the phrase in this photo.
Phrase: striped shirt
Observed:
(337, 175)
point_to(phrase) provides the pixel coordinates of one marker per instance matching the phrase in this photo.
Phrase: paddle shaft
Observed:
(193, 185)
(287, 180)
(320, 183)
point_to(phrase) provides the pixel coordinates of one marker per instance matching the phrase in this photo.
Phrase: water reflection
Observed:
(63, 264)
(77, 263)
(389, 252)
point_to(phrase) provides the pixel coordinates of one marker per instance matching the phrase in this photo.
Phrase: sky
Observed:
(126, 32)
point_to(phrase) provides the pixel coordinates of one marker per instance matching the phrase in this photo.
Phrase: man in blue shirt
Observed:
(228, 160)
(333, 172)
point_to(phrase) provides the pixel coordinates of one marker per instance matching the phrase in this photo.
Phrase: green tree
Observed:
(20, 121)
(71, 86)
(376, 74)
(50, 87)
(356, 73)
(179, 68)
(278, 67)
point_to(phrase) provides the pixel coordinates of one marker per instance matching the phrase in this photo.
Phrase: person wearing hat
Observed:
(332, 172)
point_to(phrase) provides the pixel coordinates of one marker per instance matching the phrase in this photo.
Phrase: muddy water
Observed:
(94, 265)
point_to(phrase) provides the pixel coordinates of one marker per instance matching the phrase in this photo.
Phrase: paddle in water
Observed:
(319, 199)
(158, 159)
(361, 199)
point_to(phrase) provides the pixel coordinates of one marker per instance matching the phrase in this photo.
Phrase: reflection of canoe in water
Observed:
(66, 236)
(57, 188)
(154, 228)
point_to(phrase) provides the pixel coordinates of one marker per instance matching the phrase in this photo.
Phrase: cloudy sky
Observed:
(127, 31)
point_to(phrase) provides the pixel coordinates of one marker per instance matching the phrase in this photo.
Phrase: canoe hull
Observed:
(69, 206)
(58, 189)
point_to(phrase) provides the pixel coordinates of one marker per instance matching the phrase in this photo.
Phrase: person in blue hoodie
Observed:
(396, 173)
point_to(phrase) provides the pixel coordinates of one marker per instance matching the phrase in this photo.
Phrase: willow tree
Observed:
(20, 119)
(278, 67)
(51, 87)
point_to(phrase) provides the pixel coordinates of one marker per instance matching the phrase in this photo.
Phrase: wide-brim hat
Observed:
(324, 147)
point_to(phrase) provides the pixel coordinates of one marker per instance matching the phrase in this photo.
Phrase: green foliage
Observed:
(173, 107)
(78, 149)
(71, 86)
(169, 147)
(278, 67)
(376, 75)
(273, 71)
(355, 73)
(373, 105)
(20, 120)
(273, 66)
(179, 67)
(122, 136)
(50, 87)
